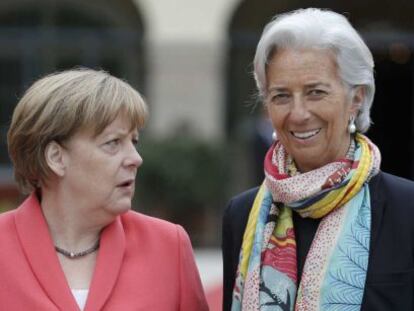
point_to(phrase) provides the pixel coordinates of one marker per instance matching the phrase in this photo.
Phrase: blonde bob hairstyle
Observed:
(55, 107)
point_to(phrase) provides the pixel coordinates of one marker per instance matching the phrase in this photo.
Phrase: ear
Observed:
(358, 96)
(54, 155)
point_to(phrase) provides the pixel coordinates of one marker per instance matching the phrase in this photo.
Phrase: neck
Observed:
(345, 152)
(68, 227)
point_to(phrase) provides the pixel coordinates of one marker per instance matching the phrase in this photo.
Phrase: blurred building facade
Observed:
(192, 60)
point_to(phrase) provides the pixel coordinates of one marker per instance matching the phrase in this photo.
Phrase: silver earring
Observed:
(351, 125)
(274, 136)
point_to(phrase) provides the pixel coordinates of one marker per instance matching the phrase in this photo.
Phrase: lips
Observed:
(126, 183)
(305, 135)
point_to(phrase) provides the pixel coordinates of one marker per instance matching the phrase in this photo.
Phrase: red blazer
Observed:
(143, 263)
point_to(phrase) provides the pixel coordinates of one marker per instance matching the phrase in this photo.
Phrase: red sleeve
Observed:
(192, 296)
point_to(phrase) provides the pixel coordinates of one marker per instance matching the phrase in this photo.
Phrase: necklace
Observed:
(73, 255)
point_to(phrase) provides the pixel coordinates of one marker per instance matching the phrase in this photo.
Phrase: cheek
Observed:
(100, 176)
(338, 125)
(277, 117)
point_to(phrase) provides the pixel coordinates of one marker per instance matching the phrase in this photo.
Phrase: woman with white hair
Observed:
(327, 229)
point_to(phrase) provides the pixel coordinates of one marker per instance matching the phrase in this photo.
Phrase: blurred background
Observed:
(192, 61)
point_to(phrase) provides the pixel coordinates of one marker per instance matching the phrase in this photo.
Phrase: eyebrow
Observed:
(316, 84)
(277, 88)
(308, 86)
(118, 132)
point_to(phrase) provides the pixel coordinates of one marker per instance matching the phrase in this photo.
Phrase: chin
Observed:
(119, 208)
(124, 208)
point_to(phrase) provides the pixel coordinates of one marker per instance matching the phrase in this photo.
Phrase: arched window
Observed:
(39, 37)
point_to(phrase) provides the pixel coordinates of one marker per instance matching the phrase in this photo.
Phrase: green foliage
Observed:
(181, 174)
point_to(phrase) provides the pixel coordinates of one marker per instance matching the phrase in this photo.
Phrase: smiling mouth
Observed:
(305, 135)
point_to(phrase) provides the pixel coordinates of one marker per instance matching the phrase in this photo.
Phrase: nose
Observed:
(299, 111)
(133, 158)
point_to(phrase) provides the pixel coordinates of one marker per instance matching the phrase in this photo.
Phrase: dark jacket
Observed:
(390, 277)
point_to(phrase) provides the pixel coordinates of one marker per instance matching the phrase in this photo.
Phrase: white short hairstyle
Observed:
(324, 29)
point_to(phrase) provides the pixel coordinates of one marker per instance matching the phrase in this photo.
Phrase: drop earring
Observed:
(351, 125)
(274, 136)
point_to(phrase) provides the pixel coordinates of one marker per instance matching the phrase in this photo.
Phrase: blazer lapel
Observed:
(38, 247)
(377, 207)
(108, 265)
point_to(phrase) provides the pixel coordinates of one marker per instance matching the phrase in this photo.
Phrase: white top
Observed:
(80, 296)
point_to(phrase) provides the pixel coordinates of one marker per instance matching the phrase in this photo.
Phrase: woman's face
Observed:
(309, 106)
(100, 170)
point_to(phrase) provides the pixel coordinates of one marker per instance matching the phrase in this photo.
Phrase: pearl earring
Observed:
(351, 125)
(274, 136)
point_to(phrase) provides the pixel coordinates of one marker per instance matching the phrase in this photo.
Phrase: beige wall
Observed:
(186, 42)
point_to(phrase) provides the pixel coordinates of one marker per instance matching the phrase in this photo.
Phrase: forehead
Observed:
(121, 125)
(289, 66)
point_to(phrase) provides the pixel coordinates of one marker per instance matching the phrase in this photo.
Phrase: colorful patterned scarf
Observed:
(334, 273)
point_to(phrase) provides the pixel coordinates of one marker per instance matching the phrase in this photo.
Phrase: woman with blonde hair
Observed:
(74, 243)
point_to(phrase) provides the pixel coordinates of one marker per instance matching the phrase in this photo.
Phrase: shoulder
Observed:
(6, 217)
(144, 225)
(242, 202)
(159, 239)
(392, 188)
(7, 223)
(237, 212)
(134, 217)
(392, 199)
